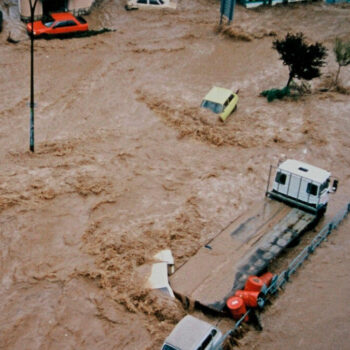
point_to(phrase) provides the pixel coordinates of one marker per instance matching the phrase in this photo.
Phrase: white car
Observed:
(192, 333)
(136, 4)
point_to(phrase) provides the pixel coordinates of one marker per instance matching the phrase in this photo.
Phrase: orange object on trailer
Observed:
(254, 284)
(250, 298)
(237, 307)
(266, 278)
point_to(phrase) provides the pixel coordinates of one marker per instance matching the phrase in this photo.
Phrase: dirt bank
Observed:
(124, 164)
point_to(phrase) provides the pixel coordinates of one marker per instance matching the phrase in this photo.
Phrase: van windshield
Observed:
(325, 185)
(213, 106)
(168, 347)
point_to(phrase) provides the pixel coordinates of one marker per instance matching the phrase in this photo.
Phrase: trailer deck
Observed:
(243, 248)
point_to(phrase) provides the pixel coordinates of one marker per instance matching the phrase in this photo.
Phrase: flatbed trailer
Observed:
(244, 248)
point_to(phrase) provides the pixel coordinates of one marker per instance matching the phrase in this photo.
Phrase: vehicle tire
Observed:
(322, 211)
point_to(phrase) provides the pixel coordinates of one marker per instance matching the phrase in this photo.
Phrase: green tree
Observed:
(303, 60)
(342, 54)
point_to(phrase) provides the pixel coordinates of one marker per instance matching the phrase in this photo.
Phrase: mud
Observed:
(126, 164)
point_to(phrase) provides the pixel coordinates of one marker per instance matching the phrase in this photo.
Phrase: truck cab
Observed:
(192, 333)
(302, 185)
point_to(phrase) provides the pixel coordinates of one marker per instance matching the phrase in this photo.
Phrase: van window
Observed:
(168, 347)
(324, 185)
(213, 106)
(68, 23)
(281, 178)
(312, 189)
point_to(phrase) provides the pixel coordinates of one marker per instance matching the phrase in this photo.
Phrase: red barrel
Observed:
(237, 307)
(266, 278)
(254, 284)
(250, 298)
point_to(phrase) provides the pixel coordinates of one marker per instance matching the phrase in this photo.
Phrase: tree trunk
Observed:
(337, 76)
(291, 76)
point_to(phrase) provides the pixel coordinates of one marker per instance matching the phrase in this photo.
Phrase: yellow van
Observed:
(220, 101)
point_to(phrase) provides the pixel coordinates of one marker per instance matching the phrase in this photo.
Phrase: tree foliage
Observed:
(303, 60)
(342, 54)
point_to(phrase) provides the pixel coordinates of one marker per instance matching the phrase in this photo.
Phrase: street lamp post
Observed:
(32, 104)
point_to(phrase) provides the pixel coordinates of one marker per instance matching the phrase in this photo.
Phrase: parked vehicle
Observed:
(150, 4)
(220, 101)
(59, 23)
(192, 334)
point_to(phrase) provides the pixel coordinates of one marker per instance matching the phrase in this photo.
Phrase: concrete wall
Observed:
(24, 8)
(78, 7)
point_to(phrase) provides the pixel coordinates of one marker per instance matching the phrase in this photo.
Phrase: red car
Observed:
(57, 24)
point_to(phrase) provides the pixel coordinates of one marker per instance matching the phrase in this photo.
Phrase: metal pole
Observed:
(31, 103)
(268, 181)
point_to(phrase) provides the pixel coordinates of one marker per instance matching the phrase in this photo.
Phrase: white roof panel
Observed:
(218, 95)
(305, 170)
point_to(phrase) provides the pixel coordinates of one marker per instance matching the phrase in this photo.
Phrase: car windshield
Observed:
(47, 21)
(47, 24)
(213, 106)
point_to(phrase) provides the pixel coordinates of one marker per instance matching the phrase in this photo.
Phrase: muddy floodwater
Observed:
(125, 165)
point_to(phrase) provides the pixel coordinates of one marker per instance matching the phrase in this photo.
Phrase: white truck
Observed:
(294, 202)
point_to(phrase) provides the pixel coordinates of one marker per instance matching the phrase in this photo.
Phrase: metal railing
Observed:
(284, 276)
(279, 280)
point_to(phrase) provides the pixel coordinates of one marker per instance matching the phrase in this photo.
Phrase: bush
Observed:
(274, 94)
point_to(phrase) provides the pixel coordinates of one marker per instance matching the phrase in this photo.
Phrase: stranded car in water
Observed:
(58, 24)
(220, 101)
(139, 4)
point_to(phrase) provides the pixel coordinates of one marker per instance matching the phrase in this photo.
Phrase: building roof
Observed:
(218, 95)
(305, 170)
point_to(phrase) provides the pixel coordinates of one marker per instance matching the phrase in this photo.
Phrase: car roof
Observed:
(189, 333)
(58, 16)
(305, 170)
(218, 95)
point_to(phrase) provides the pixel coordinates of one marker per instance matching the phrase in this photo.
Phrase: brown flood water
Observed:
(126, 165)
